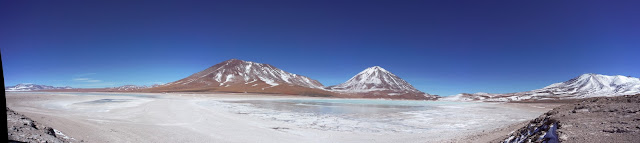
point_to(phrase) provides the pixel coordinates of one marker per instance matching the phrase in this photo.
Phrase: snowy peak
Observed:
(591, 85)
(32, 87)
(375, 79)
(234, 71)
(244, 76)
(374, 70)
(583, 86)
(376, 82)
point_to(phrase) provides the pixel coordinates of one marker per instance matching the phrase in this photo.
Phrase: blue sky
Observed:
(441, 47)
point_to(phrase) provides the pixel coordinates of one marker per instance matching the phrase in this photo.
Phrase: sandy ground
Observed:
(205, 118)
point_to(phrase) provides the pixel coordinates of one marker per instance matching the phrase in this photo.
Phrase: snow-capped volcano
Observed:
(583, 86)
(376, 82)
(594, 85)
(32, 87)
(374, 79)
(244, 76)
(236, 71)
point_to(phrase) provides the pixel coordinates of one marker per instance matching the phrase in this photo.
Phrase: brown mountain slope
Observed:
(245, 76)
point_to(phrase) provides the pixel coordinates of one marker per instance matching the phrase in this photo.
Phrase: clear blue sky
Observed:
(442, 47)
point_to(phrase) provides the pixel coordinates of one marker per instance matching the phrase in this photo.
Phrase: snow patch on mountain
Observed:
(594, 85)
(377, 82)
(374, 79)
(236, 71)
(32, 87)
(583, 86)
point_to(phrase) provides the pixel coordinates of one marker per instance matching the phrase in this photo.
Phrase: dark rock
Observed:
(23, 129)
(600, 119)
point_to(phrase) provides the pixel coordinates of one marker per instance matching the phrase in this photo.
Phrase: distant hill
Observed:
(32, 87)
(583, 86)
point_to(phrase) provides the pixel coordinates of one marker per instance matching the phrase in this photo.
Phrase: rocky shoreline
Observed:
(23, 129)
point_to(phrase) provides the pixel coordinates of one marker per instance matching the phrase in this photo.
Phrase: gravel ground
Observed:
(601, 119)
(23, 129)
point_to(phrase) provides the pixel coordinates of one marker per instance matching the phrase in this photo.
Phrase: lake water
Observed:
(346, 106)
(344, 115)
(366, 115)
(101, 101)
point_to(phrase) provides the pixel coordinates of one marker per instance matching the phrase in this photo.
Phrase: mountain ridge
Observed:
(33, 87)
(245, 76)
(236, 75)
(583, 86)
